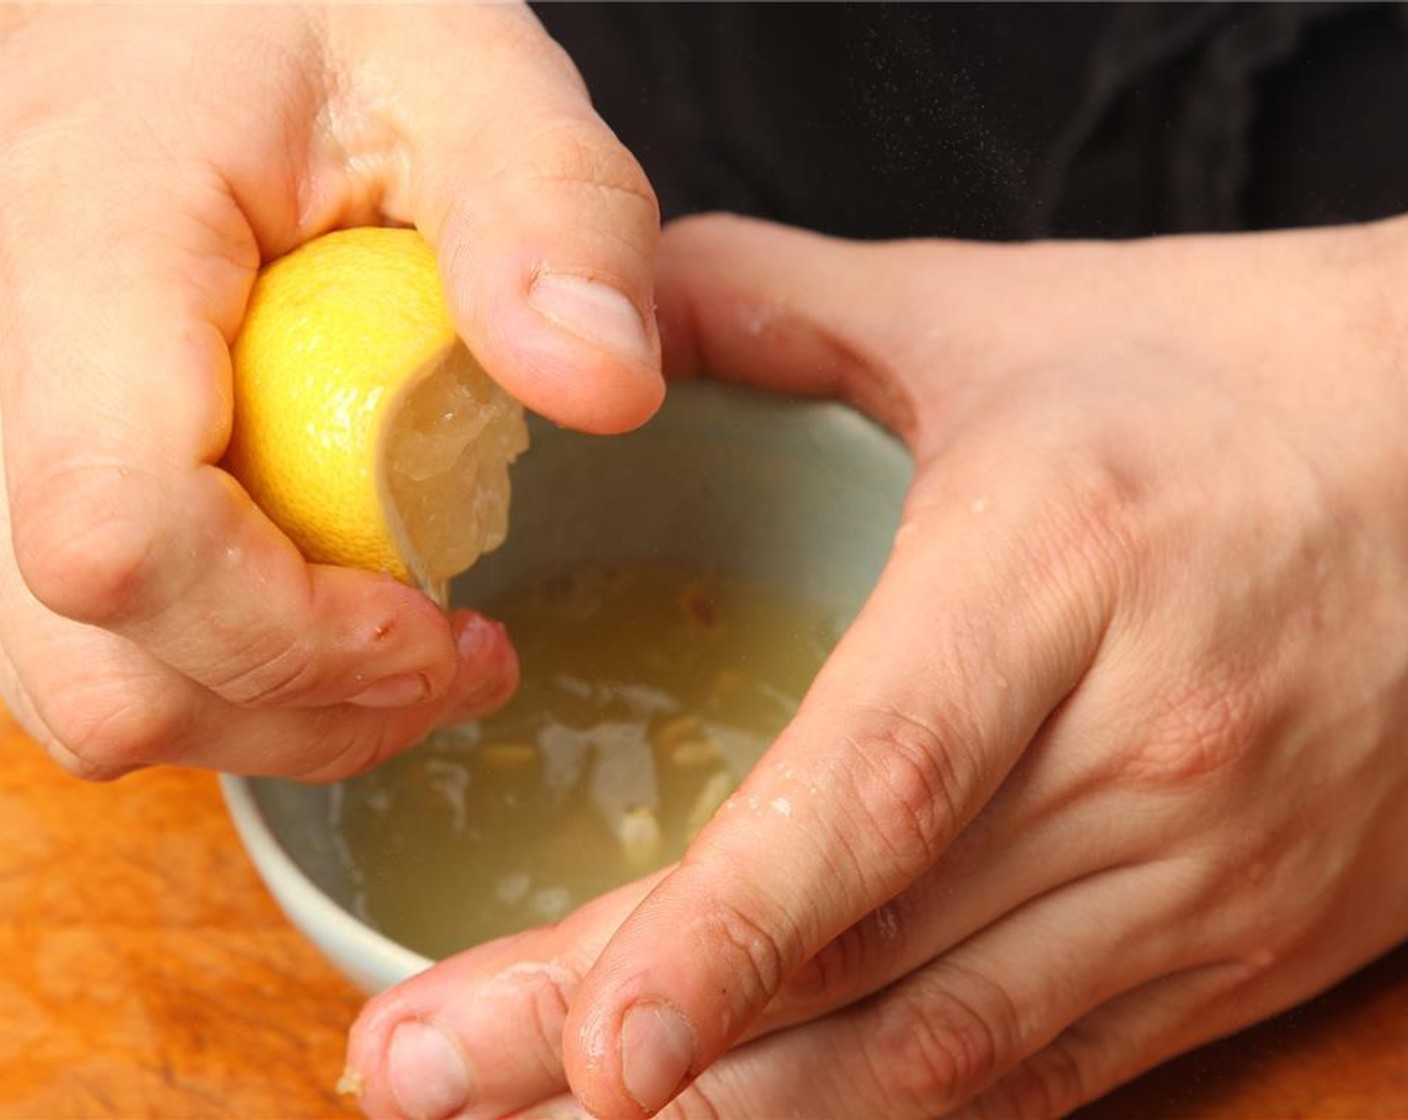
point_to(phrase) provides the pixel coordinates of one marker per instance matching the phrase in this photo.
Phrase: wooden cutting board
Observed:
(144, 972)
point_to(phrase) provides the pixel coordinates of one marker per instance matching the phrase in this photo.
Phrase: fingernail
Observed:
(488, 668)
(657, 1047)
(427, 1073)
(591, 310)
(400, 691)
(476, 638)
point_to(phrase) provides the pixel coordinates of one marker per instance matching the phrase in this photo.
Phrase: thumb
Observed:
(891, 328)
(545, 225)
(786, 310)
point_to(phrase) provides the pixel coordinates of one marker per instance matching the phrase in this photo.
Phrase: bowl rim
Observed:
(305, 903)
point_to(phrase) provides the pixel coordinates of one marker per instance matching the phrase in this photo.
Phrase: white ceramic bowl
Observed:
(803, 494)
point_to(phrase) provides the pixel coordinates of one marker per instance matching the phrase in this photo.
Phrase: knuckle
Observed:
(547, 990)
(109, 736)
(1050, 1085)
(81, 768)
(550, 1006)
(906, 777)
(80, 549)
(344, 744)
(1088, 518)
(1237, 878)
(279, 670)
(758, 953)
(839, 971)
(1195, 731)
(932, 1060)
(1057, 1084)
(576, 153)
(833, 973)
(939, 1049)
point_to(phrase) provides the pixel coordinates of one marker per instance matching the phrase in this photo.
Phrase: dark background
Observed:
(1007, 121)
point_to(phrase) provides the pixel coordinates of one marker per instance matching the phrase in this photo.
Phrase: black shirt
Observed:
(1006, 121)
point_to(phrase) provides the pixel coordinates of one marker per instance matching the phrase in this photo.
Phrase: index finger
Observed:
(972, 638)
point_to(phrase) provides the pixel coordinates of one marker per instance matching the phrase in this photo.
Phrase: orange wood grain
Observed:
(144, 972)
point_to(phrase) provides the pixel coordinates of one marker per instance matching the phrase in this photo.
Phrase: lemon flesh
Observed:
(447, 458)
(362, 426)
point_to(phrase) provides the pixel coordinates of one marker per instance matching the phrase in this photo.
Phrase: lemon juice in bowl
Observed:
(648, 691)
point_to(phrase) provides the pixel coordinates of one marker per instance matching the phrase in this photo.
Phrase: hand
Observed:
(1113, 760)
(153, 158)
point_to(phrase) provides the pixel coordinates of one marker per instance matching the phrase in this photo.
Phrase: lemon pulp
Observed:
(447, 462)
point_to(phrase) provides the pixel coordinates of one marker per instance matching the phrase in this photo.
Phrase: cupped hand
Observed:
(152, 159)
(1112, 762)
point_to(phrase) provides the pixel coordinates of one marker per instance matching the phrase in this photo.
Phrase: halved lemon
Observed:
(363, 427)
